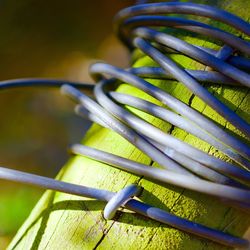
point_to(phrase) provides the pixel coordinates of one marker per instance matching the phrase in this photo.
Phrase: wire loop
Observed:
(119, 199)
(145, 27)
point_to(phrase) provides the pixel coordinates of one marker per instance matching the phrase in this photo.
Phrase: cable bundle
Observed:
(144, 27)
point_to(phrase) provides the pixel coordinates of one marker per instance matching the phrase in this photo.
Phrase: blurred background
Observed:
(55, 39)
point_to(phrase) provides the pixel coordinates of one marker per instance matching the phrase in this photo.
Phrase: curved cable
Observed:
(147, 28)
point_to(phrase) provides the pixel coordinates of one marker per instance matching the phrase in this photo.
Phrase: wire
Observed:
(145, 27)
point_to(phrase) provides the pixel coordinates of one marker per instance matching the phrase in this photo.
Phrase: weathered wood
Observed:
(61, 221)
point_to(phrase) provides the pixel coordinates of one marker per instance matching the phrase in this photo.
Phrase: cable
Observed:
(145, 27)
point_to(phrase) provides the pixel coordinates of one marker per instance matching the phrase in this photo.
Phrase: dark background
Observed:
(46, 39)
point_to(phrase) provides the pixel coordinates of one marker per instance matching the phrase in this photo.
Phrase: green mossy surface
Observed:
(61, 221)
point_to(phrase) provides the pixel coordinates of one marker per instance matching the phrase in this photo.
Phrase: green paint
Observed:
(61, 221)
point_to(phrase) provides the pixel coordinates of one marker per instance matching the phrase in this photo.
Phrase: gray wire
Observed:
(185, 166)
(133, 205)
(100, 68)
(151, 131)
(123, 130)
(178, 121)
(165, 176)
(119, 199)
(190, 164)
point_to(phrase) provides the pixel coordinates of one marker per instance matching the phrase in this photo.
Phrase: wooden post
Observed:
(61, 221)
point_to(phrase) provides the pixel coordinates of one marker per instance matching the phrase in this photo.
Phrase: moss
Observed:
(69, 222)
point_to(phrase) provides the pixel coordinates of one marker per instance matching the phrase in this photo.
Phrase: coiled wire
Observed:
(183, 165)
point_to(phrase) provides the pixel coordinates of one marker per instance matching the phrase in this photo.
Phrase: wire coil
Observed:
(144, 27)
